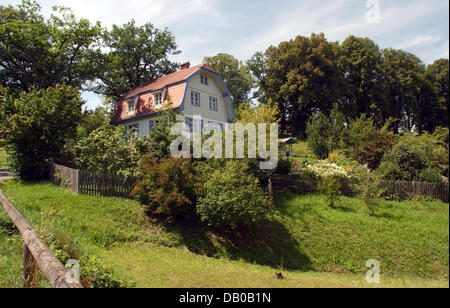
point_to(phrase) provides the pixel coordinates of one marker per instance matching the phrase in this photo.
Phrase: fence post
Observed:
(28, 266)
(270, 188)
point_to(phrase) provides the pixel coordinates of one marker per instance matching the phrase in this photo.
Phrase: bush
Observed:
(410, 160)
(232, 197)
(39, 127)
(107, 150)
(168, 187)
(330, 186)
(368, 187)
(371, 151)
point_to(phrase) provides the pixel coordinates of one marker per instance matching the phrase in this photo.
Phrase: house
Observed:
(195, 91)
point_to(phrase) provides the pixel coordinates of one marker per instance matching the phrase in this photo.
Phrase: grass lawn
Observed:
(2, 155)
(302, 153)
(304, 236)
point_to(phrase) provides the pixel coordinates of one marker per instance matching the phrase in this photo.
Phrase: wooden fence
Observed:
(94, 184)
(113, 185)
(36, 252)
(107, 185)
(399, 189)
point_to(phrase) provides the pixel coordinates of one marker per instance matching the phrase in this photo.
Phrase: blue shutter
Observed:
(188, 122)
(136, 129)
(221, 127)
(151, 124)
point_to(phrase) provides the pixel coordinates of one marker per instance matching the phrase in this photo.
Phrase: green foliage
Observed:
(360, 63)
(232, 197)
(368, 187)
(302, 76)
(262, 113)
(37, 53)
(106, 150)
(330, 186)
(408, 159)
(235, 75)
(91, 121)
(134, 55)
(326, 134)
(371, 151)
(43, 122)
(168, 187)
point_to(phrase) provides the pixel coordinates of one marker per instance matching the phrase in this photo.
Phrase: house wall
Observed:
(215, 89)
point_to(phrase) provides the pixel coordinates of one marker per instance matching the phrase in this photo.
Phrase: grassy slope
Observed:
(302, 153)
(304, 235)
(2, 155)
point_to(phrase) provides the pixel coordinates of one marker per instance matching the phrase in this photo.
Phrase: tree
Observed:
(326, 134)
(36, 53)
(42, 123)
(234, 73)
(134, 55)
(360, 62)
(434, 106)
(404, 80)
(258, 69)
(91, 121)
(302, 77)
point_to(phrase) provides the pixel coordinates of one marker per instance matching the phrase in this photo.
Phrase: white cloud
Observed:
(420, 40)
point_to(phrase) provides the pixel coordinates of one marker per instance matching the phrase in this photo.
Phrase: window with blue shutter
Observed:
(188, 122)
(151, 124)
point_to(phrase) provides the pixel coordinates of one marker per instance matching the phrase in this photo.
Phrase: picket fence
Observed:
(114, 185)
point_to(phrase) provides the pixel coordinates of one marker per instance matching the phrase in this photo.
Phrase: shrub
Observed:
(168, 187)
(107, 150)
(330, 186)
(368, 187)
(371, 151)
(409, 159)
(39, 127)
(232, 197)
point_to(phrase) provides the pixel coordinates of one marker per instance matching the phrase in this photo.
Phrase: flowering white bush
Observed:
(325, 169)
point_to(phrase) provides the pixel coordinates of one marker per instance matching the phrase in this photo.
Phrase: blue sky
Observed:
(242, 27)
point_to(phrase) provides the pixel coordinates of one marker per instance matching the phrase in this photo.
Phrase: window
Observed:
(215, 126)
(189, 123)
(204, 80)
(157, 99)
(195, 99)
(213, 104)
(131, 105)
(133, 129)
(156, 122)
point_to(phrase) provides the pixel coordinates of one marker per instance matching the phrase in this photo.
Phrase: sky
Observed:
(242, 27)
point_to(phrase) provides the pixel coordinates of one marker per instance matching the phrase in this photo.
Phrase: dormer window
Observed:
(204, 80)
(131, 105)
(157, 98)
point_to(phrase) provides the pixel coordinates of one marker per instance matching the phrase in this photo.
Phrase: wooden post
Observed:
(35, 248)
(270, 188)
(28, 267)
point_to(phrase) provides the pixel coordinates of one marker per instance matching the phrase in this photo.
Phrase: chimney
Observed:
(185, 65)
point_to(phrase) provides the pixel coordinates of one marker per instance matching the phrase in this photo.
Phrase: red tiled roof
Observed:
(167, 80)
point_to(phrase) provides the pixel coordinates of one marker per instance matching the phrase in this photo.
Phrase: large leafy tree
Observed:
(434, 106)
(133, 55)
(37, 53)
(403, 73)
(40, 127)
(302, 77)
(360, 62)
(235, 74)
